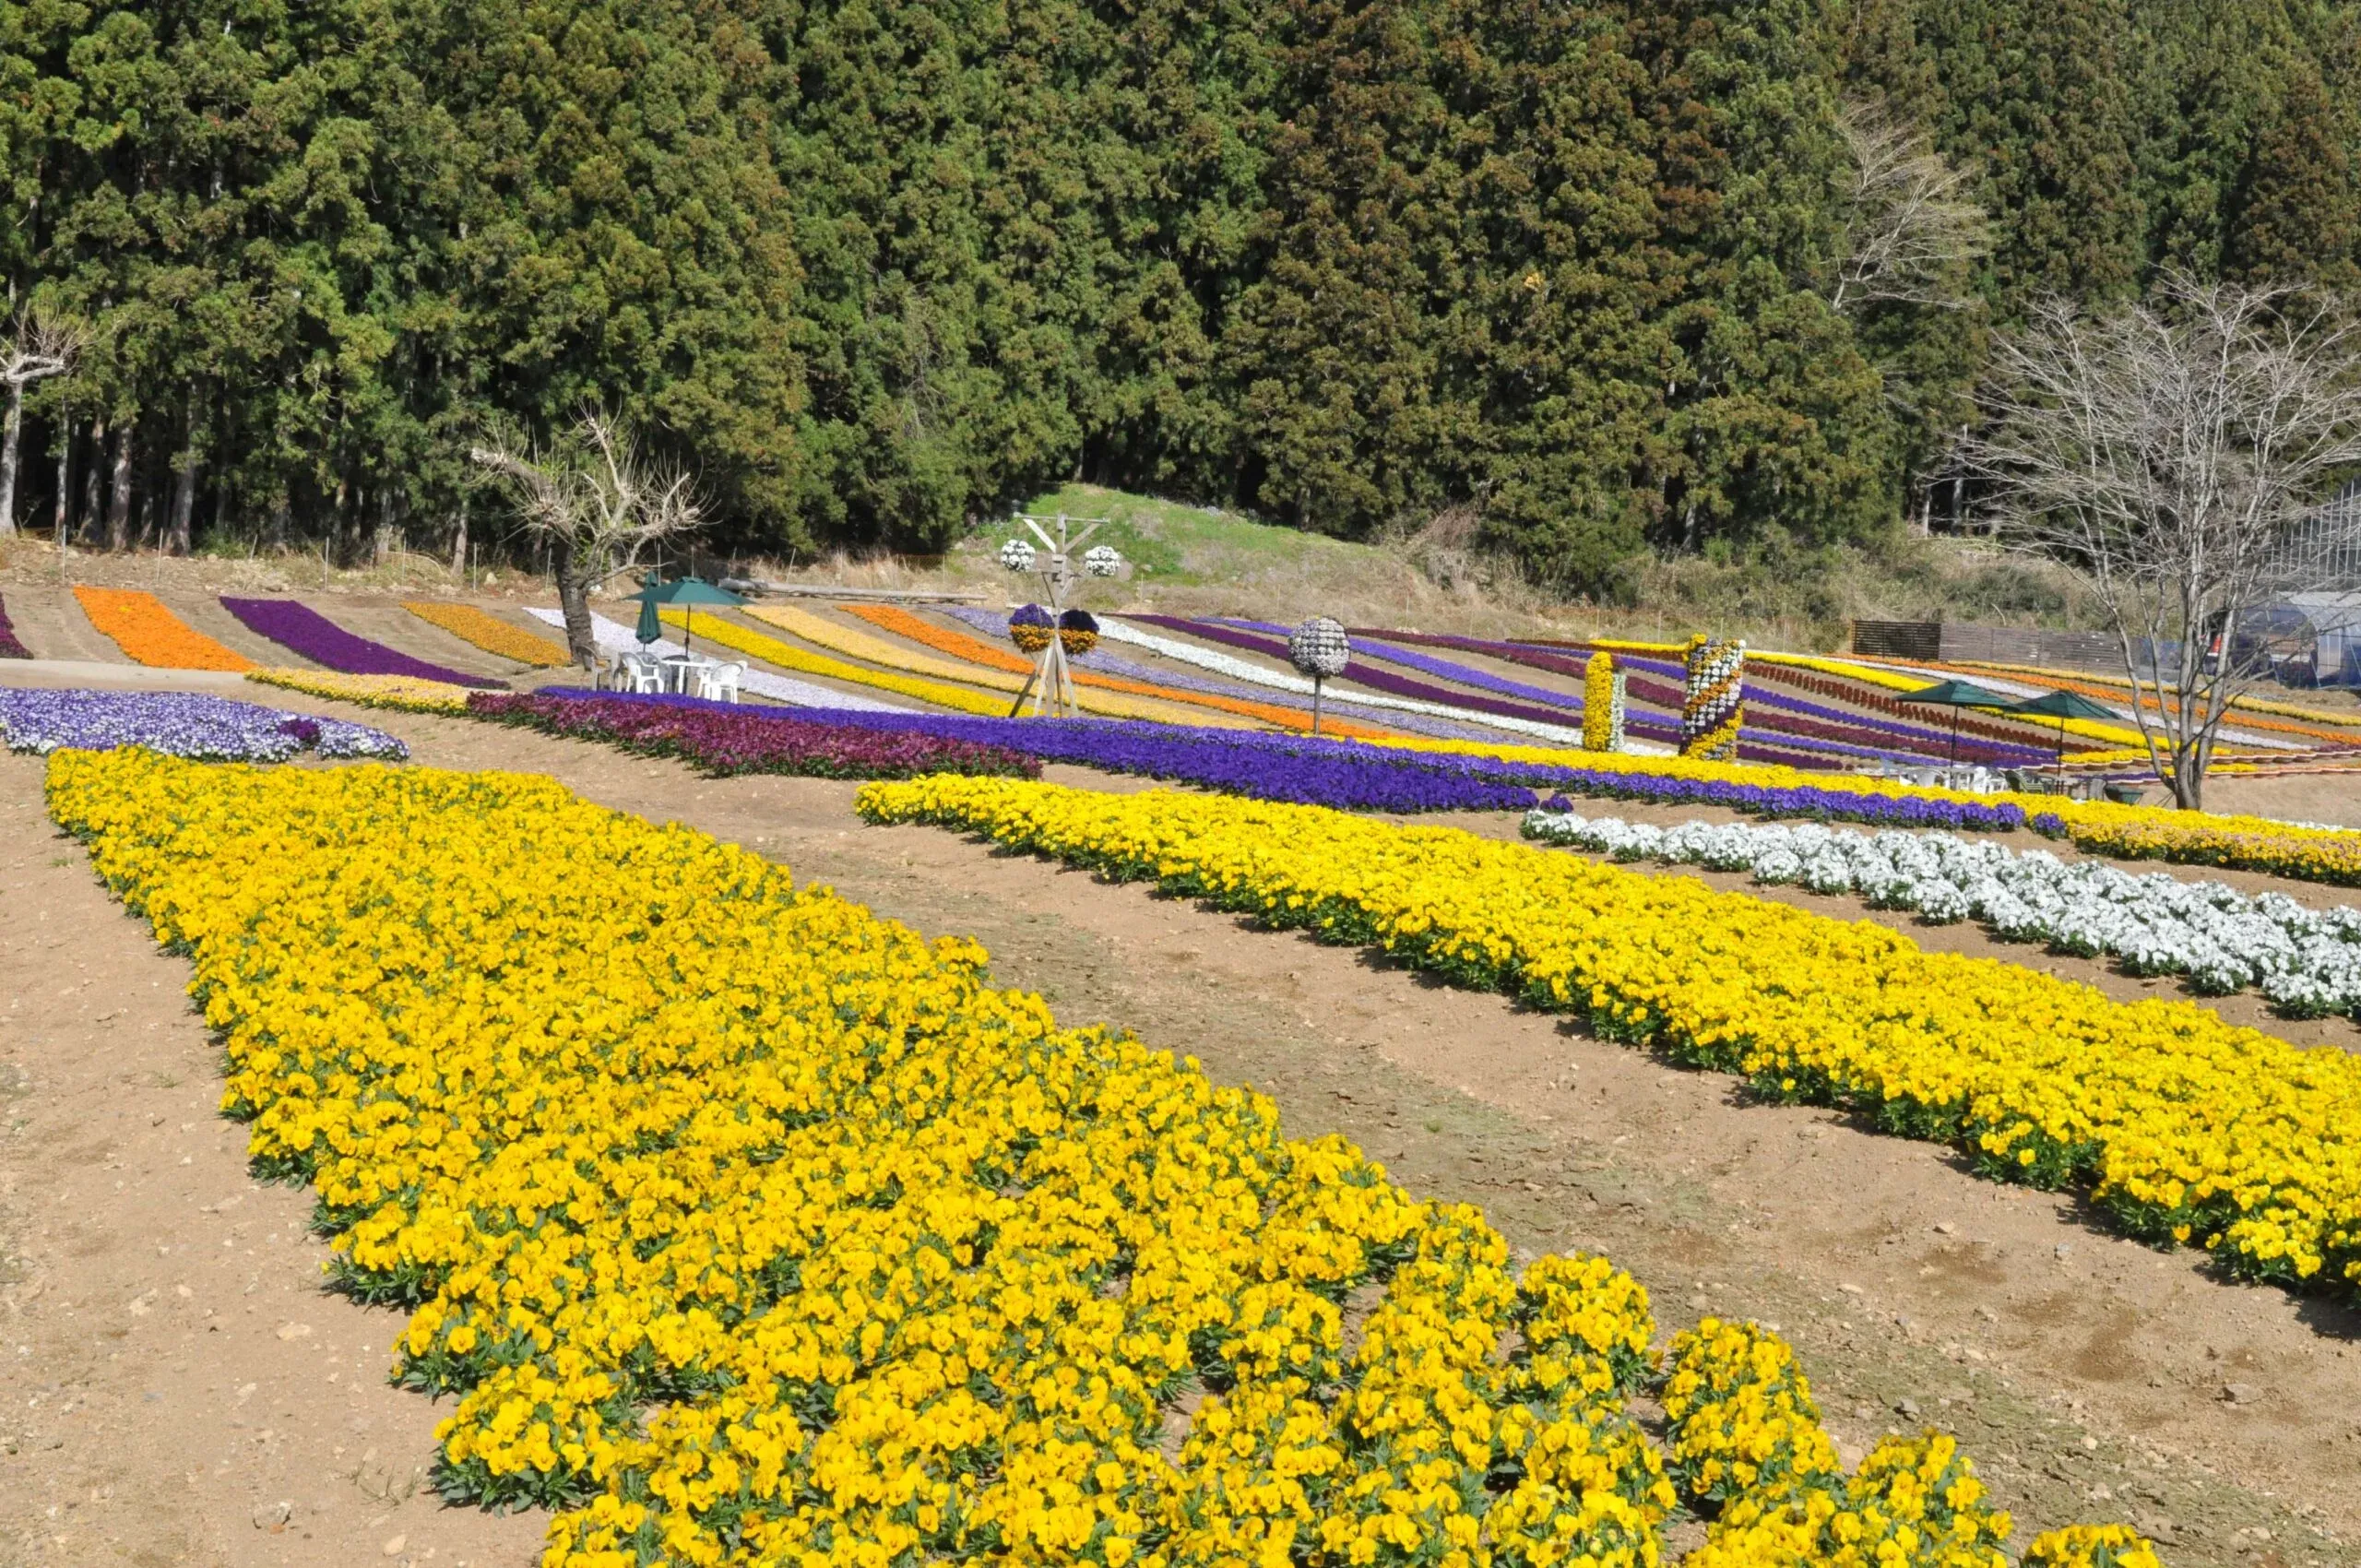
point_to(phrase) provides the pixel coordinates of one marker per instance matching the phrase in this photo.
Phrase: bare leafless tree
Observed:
(1910, 229)
(42, 347)
(2170, 453)
(599, 502)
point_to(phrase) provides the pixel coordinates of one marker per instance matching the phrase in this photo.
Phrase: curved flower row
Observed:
(2183, 1127)
(613, 636)
(405, 692)
(1546, 722)
(1828, 733)
(2112, 734)
(1256, 763)
(304, 630)
(747, 1228)
(149, 633)
(181, 724)
(995, 623)
(958, 645)
(490, 633)
(786, 655)
(2307, 962)
(1919, 734)
(724, 739)
(2306, 853)
(1567, 724)
(854, 644)
(1242, 669)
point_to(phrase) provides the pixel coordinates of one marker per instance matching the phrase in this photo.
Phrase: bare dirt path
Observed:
(2090, 1377)
(178, 1388)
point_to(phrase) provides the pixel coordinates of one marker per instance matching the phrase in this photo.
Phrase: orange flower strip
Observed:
(960, 644)
(149, 633)
(490, 633)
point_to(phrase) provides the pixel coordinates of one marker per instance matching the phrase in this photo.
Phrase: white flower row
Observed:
(2306, 962)
(1238, 668)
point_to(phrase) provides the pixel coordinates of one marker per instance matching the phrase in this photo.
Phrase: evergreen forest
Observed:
(1617, 275)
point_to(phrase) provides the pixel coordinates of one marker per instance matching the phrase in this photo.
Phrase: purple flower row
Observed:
(1358, 671)
(1854, 735)
(9, 646)
(1804, 751)
(725, 738)
(1926, 739)
(1352, 775)
(1795, 801)
(305, 631)
(1266, 766)
(183, 724)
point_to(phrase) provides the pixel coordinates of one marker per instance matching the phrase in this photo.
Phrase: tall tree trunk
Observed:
(91, 514)
(64, 517)
(8, 439)
(460, 539)
(279, 521)
(385, 525)
(574, 598)
(119, 501)
(185, 484)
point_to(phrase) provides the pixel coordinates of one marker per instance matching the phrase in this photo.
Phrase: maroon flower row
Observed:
(723, 742)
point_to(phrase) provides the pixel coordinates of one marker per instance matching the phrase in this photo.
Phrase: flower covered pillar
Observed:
(1713, 706)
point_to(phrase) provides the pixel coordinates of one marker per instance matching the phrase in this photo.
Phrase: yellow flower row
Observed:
(490, 633)
(408, 692)
(856, 643)
(746, 1227)
(786, 655)
(2184, 1127)
(1746, 1442)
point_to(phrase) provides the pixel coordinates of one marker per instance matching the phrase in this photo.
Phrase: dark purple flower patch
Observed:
(725, 738)
(9, 646)
(305, 631)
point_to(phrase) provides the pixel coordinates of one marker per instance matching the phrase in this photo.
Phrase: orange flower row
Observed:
(959, 645)
(149, 633)
(490, 633)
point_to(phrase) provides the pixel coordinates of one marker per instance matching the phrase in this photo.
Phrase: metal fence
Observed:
(1957, 642)
(2323, 553)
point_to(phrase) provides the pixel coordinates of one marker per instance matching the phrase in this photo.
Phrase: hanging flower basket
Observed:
(1016, 555)
(1078, 631)
(1102, 560)
(1030, 627)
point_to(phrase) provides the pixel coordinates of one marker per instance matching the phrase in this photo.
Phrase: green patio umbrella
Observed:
(649, 628)
(2063, 706)
(1955, 695)
(688, 591)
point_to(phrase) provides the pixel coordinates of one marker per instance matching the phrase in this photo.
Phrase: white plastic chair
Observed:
(718, 683)
(641, 672)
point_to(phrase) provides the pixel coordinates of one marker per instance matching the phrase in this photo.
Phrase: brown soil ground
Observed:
(2090, 1377)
